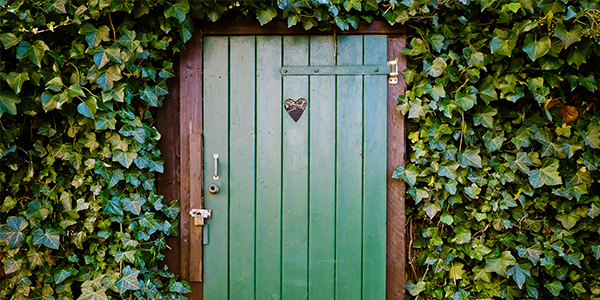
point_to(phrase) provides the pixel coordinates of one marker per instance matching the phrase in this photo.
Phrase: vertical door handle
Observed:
(216, 157)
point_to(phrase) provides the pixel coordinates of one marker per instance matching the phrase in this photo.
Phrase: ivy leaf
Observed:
(472, 191)
(124, 158)
(8, 103)
(15, 80)
(128, 281)
(462, 236)
(134, 204)
(510, 292)
(13, 232)
(533, 252)
(568, 37)
(122, 6)
(596, 250)
(128, 40)
(520, 273)
(536, 48)
(594, 210)
(112, 206)
(415, 289)
(522, 161)
(503, 42)
(12, 265)
(49, 238)
(431, 209)
(149, 96)
(437, 42)
(589, 82)
(408, 174)
(485, 117)
(9, 39)
(481, 274)
(500, 264)
(417, 46)
(35, 210)
(547, 174)
(568, 220)
(107, 78)
(178, 10)
(554, 287)
(417, 109)
(574, 259)
(350, 4)
(94, 36)
(466, 100)
(469, 157)
(61, 275)
(436, 68)
(447, 170)
(265, 15)
(492, 141)
(138, 133)
(88, 107)
(456, 272)
(172, 211)
(128, 256)
(591, 137)
(35, 258)
(521, 139)
(35, 52)
(93, 290)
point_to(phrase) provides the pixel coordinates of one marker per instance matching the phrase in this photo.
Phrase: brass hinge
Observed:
(393, 79)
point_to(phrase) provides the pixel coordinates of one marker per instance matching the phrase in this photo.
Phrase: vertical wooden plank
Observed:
(195, 161)
(241, 159)
(321, 273)
(349, 172)
(375, 163)
(295, 175)
(396, 147)
(168, 182)
(268, 167)
(190, 118)
(216, 137)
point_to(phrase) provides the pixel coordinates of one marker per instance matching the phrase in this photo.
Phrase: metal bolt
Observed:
(376, 70)
(316, 70)
(285, 71)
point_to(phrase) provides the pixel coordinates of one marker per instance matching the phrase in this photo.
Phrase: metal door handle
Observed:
(216, 157)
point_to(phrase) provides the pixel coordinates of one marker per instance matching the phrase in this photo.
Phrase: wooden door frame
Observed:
(180, 123)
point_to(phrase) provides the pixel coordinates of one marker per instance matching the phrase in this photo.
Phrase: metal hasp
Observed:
(199, 215)
(393, 79)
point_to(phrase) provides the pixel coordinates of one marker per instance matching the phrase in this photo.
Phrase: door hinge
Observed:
(393, 79)
(199, 215)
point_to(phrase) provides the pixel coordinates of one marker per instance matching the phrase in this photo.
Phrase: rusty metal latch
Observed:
(199, 215)
(393, 79)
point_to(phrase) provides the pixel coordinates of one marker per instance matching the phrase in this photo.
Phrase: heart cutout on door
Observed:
(295, 108)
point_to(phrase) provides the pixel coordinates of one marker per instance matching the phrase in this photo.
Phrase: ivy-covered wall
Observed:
(503, 134)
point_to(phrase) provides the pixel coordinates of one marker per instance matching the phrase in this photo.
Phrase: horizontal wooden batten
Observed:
(281, 28)
(335, 70)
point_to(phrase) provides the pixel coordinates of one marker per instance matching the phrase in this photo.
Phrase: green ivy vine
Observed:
(80, 82)
(504, 163)
(502, 171)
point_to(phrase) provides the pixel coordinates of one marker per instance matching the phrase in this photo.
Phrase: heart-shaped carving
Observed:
(295, 108)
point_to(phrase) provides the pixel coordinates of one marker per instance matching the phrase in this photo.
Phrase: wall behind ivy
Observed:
(503, 135)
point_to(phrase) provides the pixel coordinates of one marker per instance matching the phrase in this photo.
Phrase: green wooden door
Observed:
(301, 207)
